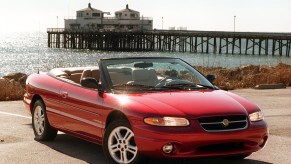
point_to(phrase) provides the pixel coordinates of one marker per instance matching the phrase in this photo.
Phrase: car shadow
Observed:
(93, 153)
(77, 148)
(29, 125)
(215, 160)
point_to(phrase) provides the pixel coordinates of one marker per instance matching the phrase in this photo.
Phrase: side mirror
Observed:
(211, 78)
(90, 82)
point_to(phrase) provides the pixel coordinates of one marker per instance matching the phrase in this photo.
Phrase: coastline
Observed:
(249, 76)
(12, 86)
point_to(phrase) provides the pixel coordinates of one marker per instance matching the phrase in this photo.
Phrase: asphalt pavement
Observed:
(17, 144)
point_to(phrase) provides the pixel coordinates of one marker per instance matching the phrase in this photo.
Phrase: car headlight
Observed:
(256, 116)
(166, 121)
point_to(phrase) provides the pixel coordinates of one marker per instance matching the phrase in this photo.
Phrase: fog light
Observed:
(168, 148)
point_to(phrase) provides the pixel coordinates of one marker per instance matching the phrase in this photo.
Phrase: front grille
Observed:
(223, 123)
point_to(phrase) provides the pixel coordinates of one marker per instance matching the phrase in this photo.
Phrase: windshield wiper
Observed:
(180, 86)
(134, 86)
(206, 86)
(187, 86)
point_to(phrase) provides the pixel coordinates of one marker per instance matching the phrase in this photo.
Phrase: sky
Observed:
(206, 15)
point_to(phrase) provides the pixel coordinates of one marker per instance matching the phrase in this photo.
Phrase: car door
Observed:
(82, 111)
(51, 96)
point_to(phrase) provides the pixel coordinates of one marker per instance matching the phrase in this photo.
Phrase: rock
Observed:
(282, 65)
(10, 89)
(265, 69)
(20, 77)
(248, 67)
(270, 86)
(15, 76)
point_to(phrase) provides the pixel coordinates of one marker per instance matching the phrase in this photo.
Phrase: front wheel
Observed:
(41, 127)
(238, 157)
(119, 145)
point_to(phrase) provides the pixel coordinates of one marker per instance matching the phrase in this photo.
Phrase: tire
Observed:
(119, 145)
(41, 127)
(238, 157)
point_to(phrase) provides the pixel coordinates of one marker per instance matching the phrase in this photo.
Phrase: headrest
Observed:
(96, 74)
(86, 73)
(143, 75)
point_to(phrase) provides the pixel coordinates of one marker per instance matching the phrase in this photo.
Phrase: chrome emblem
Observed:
(225, 122)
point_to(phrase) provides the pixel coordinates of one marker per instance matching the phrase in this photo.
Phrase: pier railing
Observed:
(141, 18)
(173, 41)
(55, 30)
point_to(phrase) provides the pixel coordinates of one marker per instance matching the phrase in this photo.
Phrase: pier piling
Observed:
(173, 41)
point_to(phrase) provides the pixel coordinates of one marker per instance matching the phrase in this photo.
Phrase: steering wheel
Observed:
(164, 81)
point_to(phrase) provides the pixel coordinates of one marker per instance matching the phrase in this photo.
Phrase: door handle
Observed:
(64, 94)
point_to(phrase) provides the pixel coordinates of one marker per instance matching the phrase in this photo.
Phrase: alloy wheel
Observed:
(121, 145)
(39, 120)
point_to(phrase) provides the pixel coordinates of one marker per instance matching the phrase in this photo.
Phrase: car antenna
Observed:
(38, 40)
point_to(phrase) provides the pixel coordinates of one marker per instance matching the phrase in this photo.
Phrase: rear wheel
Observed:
(119, 145)
(41, 127)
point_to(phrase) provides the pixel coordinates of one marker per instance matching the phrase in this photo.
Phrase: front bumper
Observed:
(193, 141)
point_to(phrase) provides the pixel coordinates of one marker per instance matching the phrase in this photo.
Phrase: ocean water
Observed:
(27, 52)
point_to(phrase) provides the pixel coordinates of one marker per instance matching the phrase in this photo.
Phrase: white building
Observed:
(93, 20)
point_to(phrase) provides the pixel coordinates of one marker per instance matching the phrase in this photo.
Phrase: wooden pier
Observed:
(174, 41)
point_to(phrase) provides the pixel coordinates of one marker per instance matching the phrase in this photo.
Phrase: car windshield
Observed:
(152, 74)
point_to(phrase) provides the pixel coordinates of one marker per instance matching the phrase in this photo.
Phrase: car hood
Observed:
(192, 103)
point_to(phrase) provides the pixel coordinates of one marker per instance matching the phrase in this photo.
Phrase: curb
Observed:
(271, 86)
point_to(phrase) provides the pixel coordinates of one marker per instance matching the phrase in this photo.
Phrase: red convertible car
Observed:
(144, 107)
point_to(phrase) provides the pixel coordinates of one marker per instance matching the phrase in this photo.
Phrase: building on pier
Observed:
(91, 19)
